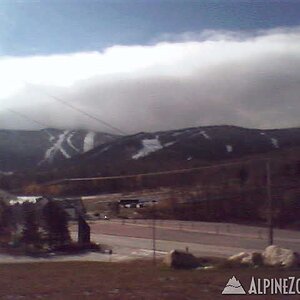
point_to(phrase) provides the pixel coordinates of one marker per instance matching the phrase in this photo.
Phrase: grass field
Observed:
(128, 280)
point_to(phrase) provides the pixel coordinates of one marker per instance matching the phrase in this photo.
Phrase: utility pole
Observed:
(154, 234)
(270, 203)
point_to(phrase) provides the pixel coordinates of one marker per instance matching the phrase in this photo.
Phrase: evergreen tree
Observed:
(56, 224)
(5, 218)
(30, 233)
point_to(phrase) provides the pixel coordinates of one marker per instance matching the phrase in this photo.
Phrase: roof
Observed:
(6, 196)
(70, 203)
(28, 199)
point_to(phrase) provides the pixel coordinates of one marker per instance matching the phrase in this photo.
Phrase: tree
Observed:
(243, 176)
(5, 218)
(30, 233)
(56, 224)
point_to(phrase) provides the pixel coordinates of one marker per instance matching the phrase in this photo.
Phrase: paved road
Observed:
(201, 238)
(133, 239)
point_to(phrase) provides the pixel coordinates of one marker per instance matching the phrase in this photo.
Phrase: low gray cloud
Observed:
(250, 80)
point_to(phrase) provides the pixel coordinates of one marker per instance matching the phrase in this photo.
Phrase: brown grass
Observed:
(131, 280)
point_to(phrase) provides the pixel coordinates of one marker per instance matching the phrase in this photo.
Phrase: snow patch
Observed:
(149, 146)
(177, 133)
(6, 173)
(64, 153)
(50, 153)
(169, 144)
(69, 141)
(23, 199)
(51, 136)
(229, 148)
(205, 135)
(104, 149)
(275, 143)
(180, 132)
(88, 143)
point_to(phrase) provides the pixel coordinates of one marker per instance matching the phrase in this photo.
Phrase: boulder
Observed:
(244, 258)
(253, 259)
(238, 258)
(280, 257)
(181, 260)
(257, 259)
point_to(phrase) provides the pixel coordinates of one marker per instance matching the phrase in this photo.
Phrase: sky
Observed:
(149, 65)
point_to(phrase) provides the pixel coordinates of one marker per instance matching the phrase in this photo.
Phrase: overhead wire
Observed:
(44, 126)
(169, 172)
(239, 162)
(79, 110)
(120, 131)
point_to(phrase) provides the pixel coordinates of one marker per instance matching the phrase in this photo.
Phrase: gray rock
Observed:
(253, 259)
(181, 260)
(238, 258)
(257, 259)
(280, 257)
(245, 258)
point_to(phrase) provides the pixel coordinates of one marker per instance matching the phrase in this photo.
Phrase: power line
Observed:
(177, 171)
(44, 125)
(30, 119)
(27, 118)
(79, 110)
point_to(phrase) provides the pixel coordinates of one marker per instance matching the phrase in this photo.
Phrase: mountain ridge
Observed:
(23, 149)
(164, 150)
(83, 152)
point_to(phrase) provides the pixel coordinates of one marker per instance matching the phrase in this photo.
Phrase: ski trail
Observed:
(57, 147)
(69, 141)
(88, 143)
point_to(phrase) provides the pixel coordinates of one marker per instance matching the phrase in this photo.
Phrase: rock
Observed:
(253, 259)
(280, 257)
(257, 259)
(181, 260)
(245, 258)
(238, 258)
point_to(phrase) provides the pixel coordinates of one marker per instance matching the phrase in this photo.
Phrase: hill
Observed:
(168, 150)
(22, 150)
(139, 154)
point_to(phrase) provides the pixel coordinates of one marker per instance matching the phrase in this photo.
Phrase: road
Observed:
(200, 237)
(131, 239)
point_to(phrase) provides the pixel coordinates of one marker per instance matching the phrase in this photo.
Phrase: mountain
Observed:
(77, 153)
(21, 150)
(238, 190)
(166, 150)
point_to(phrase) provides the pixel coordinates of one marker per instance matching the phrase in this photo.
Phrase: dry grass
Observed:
(132, 280)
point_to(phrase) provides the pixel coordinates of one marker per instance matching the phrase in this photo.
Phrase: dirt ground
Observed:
(127, 280)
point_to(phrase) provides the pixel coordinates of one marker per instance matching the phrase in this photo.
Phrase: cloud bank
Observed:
(244, 79)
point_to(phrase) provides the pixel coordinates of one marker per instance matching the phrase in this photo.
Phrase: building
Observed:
(73, 207)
